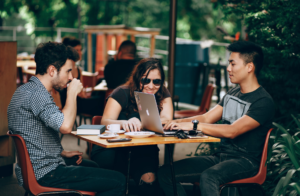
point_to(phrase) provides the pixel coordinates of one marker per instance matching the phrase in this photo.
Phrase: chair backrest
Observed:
(89, 79)
(29, 181)
(260, 177)
(96, 120)
(263, 166)
(206, 98)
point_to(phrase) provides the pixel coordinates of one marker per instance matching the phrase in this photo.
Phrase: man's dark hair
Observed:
(128, 47)
(52, 53)
(71, 41)
(249, 52)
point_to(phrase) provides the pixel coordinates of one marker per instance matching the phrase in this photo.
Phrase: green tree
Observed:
(275, 26)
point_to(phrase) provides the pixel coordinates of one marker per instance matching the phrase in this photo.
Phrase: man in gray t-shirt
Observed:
(246, 112)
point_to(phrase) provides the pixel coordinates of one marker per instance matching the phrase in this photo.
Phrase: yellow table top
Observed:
(26, 63)
(153, 140)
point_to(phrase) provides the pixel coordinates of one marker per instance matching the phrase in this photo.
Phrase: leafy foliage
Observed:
(284, 165)
(275, 26)
(196, 19)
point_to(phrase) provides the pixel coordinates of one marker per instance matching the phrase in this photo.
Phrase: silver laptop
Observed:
(149, 114)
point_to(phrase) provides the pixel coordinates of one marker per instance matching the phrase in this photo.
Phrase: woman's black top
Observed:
(122, 96)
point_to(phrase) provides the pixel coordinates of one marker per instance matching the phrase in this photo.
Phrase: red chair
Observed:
(95, 121)
(89, 81)
(204, 106)
(30, 183)
(256, 180)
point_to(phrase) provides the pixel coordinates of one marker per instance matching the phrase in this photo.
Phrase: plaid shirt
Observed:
(33, 115)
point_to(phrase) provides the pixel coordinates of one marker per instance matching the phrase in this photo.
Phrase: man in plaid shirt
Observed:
(33, 115)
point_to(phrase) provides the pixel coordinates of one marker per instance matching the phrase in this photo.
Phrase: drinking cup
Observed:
(113, 128)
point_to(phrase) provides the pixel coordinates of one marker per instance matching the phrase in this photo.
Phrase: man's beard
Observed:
(57, 85)
(58, 88)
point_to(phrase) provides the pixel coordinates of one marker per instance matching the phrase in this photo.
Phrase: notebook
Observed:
(149, 114)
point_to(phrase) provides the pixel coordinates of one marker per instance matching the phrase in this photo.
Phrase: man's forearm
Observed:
(218, 130)
(69, 111)
(200, 118)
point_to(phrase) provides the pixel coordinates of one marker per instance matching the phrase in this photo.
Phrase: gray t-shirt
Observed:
(258, 105)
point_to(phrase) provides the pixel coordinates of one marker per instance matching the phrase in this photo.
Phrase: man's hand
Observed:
(75, 86)
(132, 124)
(168, 123)
(70, 154)
(183, 126)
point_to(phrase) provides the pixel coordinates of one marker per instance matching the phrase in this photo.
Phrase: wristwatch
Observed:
(195, 126)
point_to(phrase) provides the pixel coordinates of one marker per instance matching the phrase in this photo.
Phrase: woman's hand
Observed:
(132, 124)
(70, 154)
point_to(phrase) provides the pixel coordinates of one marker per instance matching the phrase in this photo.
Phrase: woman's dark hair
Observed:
(144, 67)
(52, 53)
(71, 41)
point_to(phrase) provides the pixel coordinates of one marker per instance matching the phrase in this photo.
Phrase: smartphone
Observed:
(119, 140)
(197, 136)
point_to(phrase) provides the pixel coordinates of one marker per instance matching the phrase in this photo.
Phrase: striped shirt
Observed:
(33, 115)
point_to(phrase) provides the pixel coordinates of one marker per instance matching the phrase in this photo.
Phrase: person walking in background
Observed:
(117, 71)
(33, 115)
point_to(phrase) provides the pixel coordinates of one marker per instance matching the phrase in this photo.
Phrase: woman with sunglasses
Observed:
(121, 108)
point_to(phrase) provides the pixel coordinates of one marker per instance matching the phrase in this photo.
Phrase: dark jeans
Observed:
(144, 159)
(210, 171)
(104, 182)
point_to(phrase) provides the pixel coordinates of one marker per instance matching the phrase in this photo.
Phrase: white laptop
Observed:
(149, 114)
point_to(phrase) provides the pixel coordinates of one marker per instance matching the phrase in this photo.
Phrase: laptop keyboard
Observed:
(170, 132)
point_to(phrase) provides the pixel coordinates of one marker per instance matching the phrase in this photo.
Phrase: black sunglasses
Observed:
(156, 82)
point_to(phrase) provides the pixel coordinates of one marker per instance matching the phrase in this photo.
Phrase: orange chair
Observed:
(30, 183)
(259, 178)
(89, 79)
(204, 106)
(95, 121)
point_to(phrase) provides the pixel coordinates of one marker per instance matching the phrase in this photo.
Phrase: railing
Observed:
(28, 43)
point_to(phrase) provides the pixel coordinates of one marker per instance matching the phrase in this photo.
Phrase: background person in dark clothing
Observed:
(117, 72)
(89, 105)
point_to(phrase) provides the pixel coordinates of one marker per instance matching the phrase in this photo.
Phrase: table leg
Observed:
(20, 75)
(128, 169)
(172, 168)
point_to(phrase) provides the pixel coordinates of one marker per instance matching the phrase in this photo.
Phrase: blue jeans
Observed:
(210, 171)
(104, 182)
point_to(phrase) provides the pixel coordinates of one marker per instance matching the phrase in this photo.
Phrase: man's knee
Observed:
(148, 177)
(208, 176)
